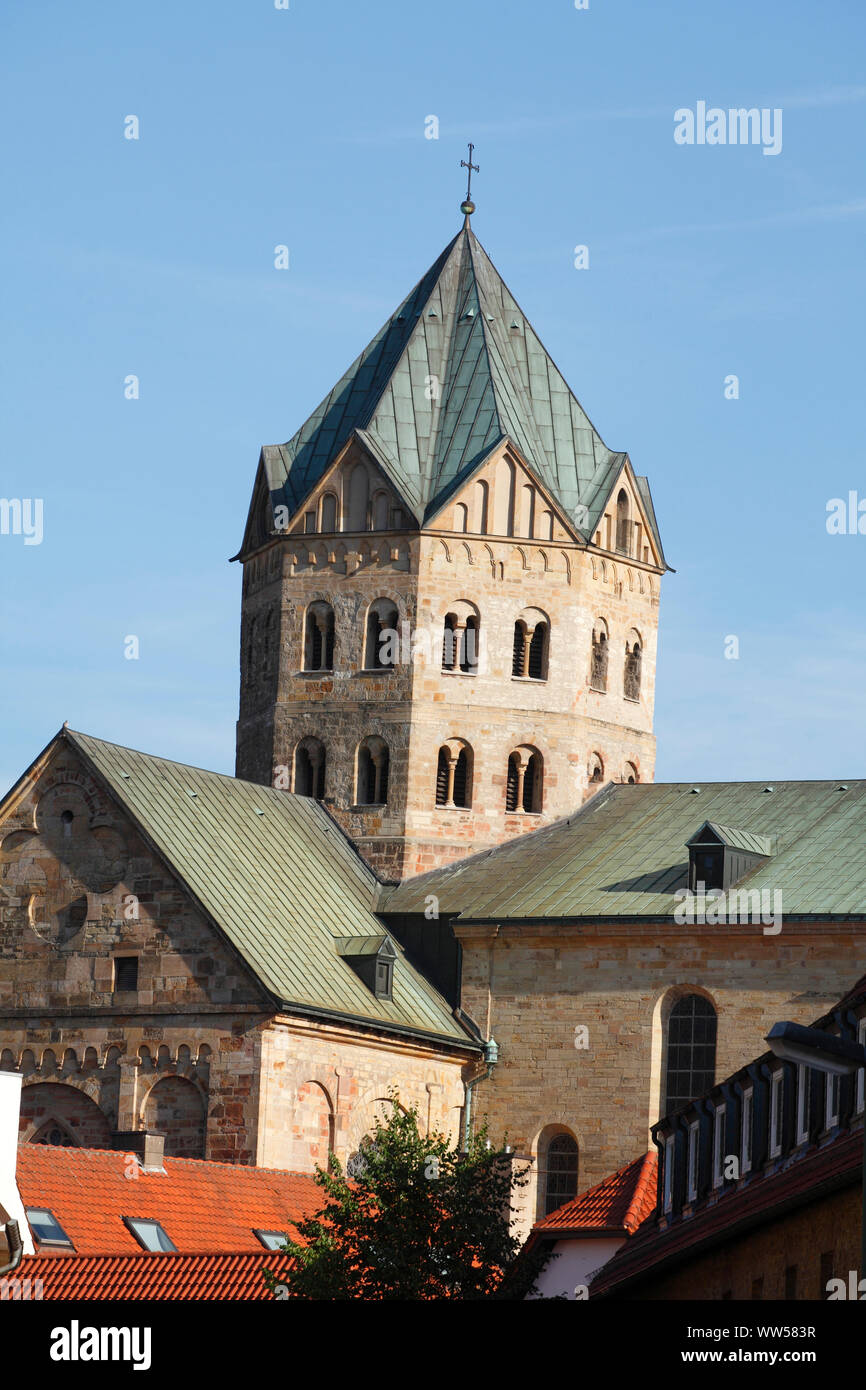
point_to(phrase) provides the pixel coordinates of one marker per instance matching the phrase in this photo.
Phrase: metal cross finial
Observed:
(467, 206)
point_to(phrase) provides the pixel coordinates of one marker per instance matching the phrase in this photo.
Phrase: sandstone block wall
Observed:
(532, 989)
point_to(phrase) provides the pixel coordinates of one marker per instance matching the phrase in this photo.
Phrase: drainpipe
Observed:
(16, 1247)
(491, 1057)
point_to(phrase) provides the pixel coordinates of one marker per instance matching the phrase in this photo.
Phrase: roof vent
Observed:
(769, 789)
(515, 325)
(470, 314)
(843, 787)
(190, 792)
(694, 791)
(432, 314)
(258, 810)
(125, 776)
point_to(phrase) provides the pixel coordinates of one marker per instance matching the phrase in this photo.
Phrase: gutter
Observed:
(491, 1057)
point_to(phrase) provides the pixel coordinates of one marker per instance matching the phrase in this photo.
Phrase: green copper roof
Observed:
(456, 369)
(277, 876)
(734, 838)
(624, 854)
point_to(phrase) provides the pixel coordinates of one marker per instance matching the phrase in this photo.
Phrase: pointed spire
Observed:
(451, 374)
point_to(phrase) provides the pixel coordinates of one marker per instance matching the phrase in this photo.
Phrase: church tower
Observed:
(450, 588)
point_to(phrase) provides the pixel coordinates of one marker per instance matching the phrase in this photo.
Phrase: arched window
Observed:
(53, 1134)
(449, 643)
(359, 494)
(266, 639)
(383, 637)
(623, 524)
(373, 766)
(630, 773)
(561, 1175)
(328, 513)
(461, 518)
(529, 651)
(319, 638)
(537, 668)
(469, 647)
(460, 640)
(519, 652)
(631, 677)
(443, 765)
(596, 768)
(379, 512)
(690, 1067)
(598, 668)
(251, 646)
(481, 491)
(524, 781)
(310, 768)
(453, 775)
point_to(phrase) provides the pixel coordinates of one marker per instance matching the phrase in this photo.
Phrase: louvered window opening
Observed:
(442, 778)
(537, 652)
(598, 671)
(631, 688)
(519, 649)
(512, 784)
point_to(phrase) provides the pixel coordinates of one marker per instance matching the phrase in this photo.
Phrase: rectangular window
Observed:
(149, 1234)
(669, 1172)
(694, 1131)
(776, 1114)
(125, 974)
(746, 1133)
(804, 1083)
(46, 1228)
(826, 1270)
(718, 1145)
(831, 1100)
(384, 978)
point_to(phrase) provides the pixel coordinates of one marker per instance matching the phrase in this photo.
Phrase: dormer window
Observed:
(372, 959)
(721, 855)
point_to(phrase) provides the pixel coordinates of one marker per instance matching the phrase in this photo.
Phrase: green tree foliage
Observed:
(416, 1220)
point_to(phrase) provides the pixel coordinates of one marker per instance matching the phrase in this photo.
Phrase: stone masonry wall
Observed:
(323, 1084)
(417, 707)
(531, 991)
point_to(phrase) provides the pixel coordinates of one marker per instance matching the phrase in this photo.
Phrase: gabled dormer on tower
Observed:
(450, 587)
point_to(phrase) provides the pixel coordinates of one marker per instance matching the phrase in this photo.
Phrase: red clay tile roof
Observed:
(618, 1204)
(762, 1197)
(178, 1278)
(203, 1207)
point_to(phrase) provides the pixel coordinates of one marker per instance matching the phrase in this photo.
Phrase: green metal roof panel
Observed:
(737, 839)
(624, 854)
(461, 326)
(277, 876)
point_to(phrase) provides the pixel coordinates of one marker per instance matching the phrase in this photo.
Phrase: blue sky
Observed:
(306, 127)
